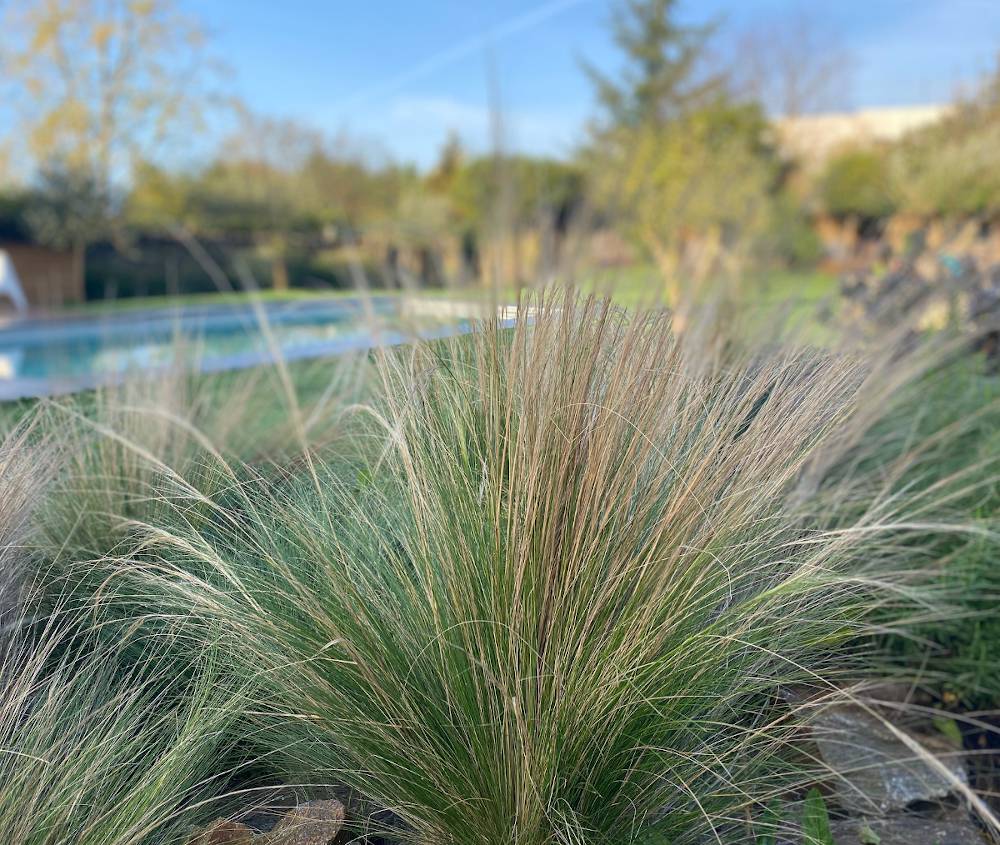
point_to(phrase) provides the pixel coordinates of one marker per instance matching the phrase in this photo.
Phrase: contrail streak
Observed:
(460, 51)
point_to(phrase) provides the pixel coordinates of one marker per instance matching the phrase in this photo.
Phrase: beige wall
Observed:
(46, 275)
(814, 138)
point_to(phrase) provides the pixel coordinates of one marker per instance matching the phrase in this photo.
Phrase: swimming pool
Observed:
(46, 356)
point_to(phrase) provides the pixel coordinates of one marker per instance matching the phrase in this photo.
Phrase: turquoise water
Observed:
(40, 357)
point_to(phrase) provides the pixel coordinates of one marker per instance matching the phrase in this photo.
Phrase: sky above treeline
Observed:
(403, 73)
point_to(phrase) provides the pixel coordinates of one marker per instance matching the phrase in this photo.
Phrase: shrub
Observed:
(858, 183)
(790, 239)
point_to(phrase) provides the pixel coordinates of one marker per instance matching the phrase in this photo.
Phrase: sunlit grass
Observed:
(541, 584)
(97, 750)
(559, 603)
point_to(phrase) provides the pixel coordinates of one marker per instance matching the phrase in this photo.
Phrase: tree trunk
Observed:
(279, 272)
(667, 263)
(79, 271)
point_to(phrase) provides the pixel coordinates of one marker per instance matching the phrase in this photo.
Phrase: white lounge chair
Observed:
(10, 284)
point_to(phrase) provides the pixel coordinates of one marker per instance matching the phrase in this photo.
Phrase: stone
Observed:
(908, 829)
(312, 823)
(951, 827)
(876, 772)
(887, 691)
(224, 832)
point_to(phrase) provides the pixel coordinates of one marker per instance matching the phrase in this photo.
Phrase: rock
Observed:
(888, 691)
(908, 829)
(312, 823)
(947, 828)
(876, 772)
(224, 832)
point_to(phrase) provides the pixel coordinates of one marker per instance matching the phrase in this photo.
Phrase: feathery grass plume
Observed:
(135, 445)
(934, 452)
(27, 464)
(93, 748)
(559, 605)
(97, 751)
(152, 453)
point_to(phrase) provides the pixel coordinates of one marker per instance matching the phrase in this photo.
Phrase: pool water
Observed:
(40, 357)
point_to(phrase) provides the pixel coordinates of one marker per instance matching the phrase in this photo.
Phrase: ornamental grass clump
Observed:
(129, 447)
(935, 452)
(27, 464)
(100, 750)
(101, 742)
(560, 602)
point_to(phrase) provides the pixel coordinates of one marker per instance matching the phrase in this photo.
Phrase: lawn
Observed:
(634, 285)
(641, 284)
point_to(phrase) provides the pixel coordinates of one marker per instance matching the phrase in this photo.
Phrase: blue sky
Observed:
(402, 73)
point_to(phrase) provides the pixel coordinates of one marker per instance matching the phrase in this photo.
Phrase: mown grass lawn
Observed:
(796, 293)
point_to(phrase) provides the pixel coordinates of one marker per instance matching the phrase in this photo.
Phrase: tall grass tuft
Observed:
(97, 750)
(132, 451)
(99, 744)
(27, 466)
(560, 603)
(936, 449)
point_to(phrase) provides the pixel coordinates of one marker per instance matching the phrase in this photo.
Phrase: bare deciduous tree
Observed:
(794, 65)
